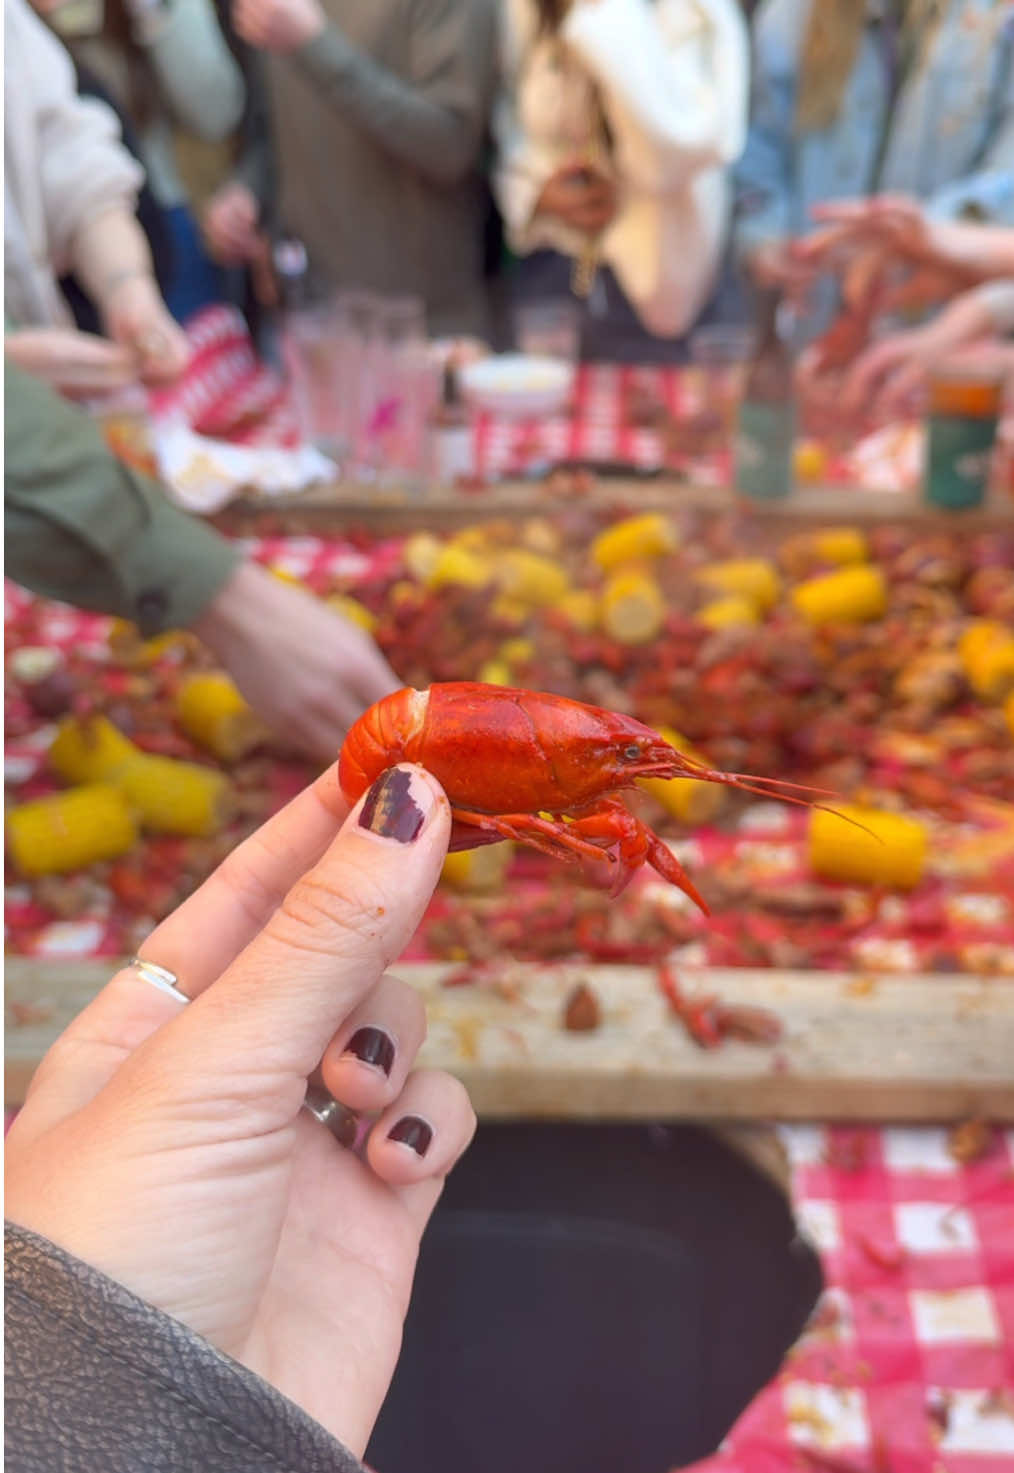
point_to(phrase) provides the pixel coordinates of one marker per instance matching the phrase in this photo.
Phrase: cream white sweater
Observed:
(672, 79)
(65, 166)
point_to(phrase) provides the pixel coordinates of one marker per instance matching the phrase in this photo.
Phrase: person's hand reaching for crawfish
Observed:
(306, 670)
(889, 248)
(165, 1142)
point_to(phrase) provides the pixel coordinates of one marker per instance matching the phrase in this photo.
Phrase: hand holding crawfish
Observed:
(507, 757)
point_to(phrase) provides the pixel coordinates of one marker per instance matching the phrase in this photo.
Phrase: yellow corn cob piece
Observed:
(848, 596)
(477, 870)
(494, 672)
(458, 565)
(633, 609)
(841, 545)
(170, 797)
(51, 836)
(540, 535)
(420, 554)
(634, 540)
(529, 578)
(978, 636)
(987, 655)
(581, 608)
(509, 610)
(90, 750)
(353, 610)
(213, 714)
(471, 539)
(809, 460)
(721, 613)
(687, 798)
(892, 853)
(517, 651)
(754, 578)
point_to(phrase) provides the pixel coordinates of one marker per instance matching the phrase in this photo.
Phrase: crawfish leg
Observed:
(550, 836)
(610, 823)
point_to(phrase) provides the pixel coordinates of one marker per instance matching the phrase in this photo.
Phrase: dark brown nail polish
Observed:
(372, 1046)
(411, 1131)
(390, 809)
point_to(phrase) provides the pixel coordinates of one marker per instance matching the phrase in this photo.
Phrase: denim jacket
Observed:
(949, 140)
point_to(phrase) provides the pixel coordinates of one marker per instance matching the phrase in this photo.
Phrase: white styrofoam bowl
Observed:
(517, 385)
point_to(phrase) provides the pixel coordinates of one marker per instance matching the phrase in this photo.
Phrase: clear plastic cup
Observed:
(550, 329)
(718, 358)
(311, 359)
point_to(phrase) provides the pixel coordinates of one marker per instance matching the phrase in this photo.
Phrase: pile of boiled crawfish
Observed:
(877, 711)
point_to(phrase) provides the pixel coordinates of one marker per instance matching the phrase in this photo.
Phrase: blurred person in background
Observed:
(367, 148)
(70, 197)
(167, 69)
(83, 527)
(856, 97)
(615, 129)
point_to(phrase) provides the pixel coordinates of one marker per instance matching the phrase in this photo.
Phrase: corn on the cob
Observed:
(420, 554)
(494, 672)
(687, 798)
(477, 870)
(214, 715)
(459, 565)
(170, 797)
(848, 596)
(89, 750)
(67, 831)
(987, 655)
(530, 578)
(841, 545)
(892, 852)
(580, 607)
(634, 540)
(754, 578)
(633, 609)
(722, 613)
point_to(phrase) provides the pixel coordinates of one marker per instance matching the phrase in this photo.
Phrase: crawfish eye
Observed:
(631, 753)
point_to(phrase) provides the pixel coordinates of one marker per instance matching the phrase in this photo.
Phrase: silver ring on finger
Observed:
(342, 1122)
(158, 977)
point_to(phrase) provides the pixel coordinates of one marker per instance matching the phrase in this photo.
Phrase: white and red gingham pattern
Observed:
(227, 393)
(909, 1364)
(600, 425)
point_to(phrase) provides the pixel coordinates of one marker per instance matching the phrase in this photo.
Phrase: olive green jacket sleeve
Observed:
(84, 528)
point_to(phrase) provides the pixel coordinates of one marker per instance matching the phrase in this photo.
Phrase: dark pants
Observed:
(593, 1299)
(615, 334)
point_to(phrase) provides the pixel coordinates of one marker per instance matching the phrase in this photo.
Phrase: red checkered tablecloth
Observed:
(909, 1364)
(601, 425)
